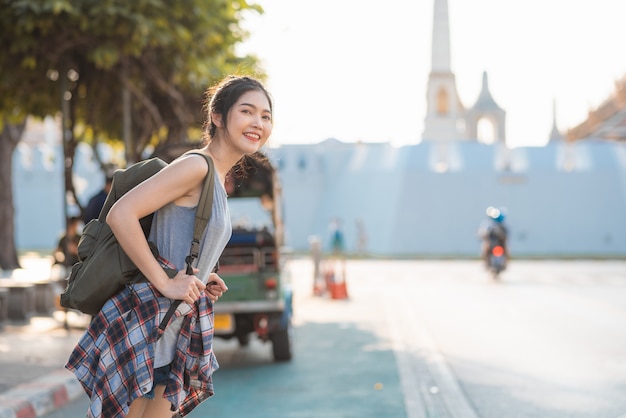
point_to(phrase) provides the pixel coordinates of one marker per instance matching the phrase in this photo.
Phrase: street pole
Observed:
(126, 113)
(64, 140)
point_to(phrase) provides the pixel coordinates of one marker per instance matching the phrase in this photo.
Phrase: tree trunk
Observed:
(9, 138)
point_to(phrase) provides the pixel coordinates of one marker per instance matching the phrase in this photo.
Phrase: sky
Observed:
(357, 70)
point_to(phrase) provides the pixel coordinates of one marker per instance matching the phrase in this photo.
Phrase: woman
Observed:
(126, 368)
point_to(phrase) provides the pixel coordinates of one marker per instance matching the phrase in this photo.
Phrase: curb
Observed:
(41, 396)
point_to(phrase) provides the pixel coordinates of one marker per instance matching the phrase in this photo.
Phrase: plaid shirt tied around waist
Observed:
(114, 360)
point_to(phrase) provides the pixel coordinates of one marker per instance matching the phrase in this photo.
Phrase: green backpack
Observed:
(104, 268)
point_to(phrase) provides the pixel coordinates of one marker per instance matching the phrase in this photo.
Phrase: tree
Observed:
(83, 58)
(8, 141)
(23, 91)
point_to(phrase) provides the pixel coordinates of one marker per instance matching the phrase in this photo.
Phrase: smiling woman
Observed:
(157, 369)
(248, 125)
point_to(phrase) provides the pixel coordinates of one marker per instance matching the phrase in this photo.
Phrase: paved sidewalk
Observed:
(33, 352)
(33, 380)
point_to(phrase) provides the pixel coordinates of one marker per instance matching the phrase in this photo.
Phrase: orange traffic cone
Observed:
(339, 290)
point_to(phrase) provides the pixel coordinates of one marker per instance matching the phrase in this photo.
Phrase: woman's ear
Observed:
(216, 118)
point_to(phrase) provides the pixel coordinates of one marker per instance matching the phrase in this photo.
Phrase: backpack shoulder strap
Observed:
(203, 213)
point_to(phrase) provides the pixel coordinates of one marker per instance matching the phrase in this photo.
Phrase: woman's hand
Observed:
(216, 287)
(183, 286)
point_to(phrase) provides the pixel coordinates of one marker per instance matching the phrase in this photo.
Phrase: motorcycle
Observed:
(496, 262)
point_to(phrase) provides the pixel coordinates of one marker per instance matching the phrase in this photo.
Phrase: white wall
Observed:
(407, 206)
(411, 209)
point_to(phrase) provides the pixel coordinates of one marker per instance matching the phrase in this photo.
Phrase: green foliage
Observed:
(165, 53)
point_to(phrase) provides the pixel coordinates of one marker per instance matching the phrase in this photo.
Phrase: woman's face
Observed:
(249, 122)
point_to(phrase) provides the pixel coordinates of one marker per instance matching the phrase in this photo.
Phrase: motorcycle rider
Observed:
(493, 231)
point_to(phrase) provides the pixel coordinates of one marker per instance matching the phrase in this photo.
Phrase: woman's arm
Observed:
(180, 182)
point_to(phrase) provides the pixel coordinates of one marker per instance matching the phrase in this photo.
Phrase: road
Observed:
(547, 341)
(439, 339)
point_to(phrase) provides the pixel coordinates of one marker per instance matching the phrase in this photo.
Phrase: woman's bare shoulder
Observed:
(191, 163)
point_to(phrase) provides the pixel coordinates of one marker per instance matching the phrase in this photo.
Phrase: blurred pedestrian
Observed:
(336, 263)
(95, 203)
(125, 370)
(66, 251)
(361, 237)
(336, 237)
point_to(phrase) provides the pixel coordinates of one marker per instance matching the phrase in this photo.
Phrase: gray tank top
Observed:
(172, 231)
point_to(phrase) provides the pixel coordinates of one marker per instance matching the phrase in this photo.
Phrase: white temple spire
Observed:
(444, 110)
(440, 58)
(555, 135)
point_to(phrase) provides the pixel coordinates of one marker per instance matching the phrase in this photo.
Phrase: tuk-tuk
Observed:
(259, 297)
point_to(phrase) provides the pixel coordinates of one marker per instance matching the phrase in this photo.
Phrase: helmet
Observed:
(495, 214)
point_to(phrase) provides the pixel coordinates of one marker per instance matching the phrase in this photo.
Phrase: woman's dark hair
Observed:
(222, 97)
